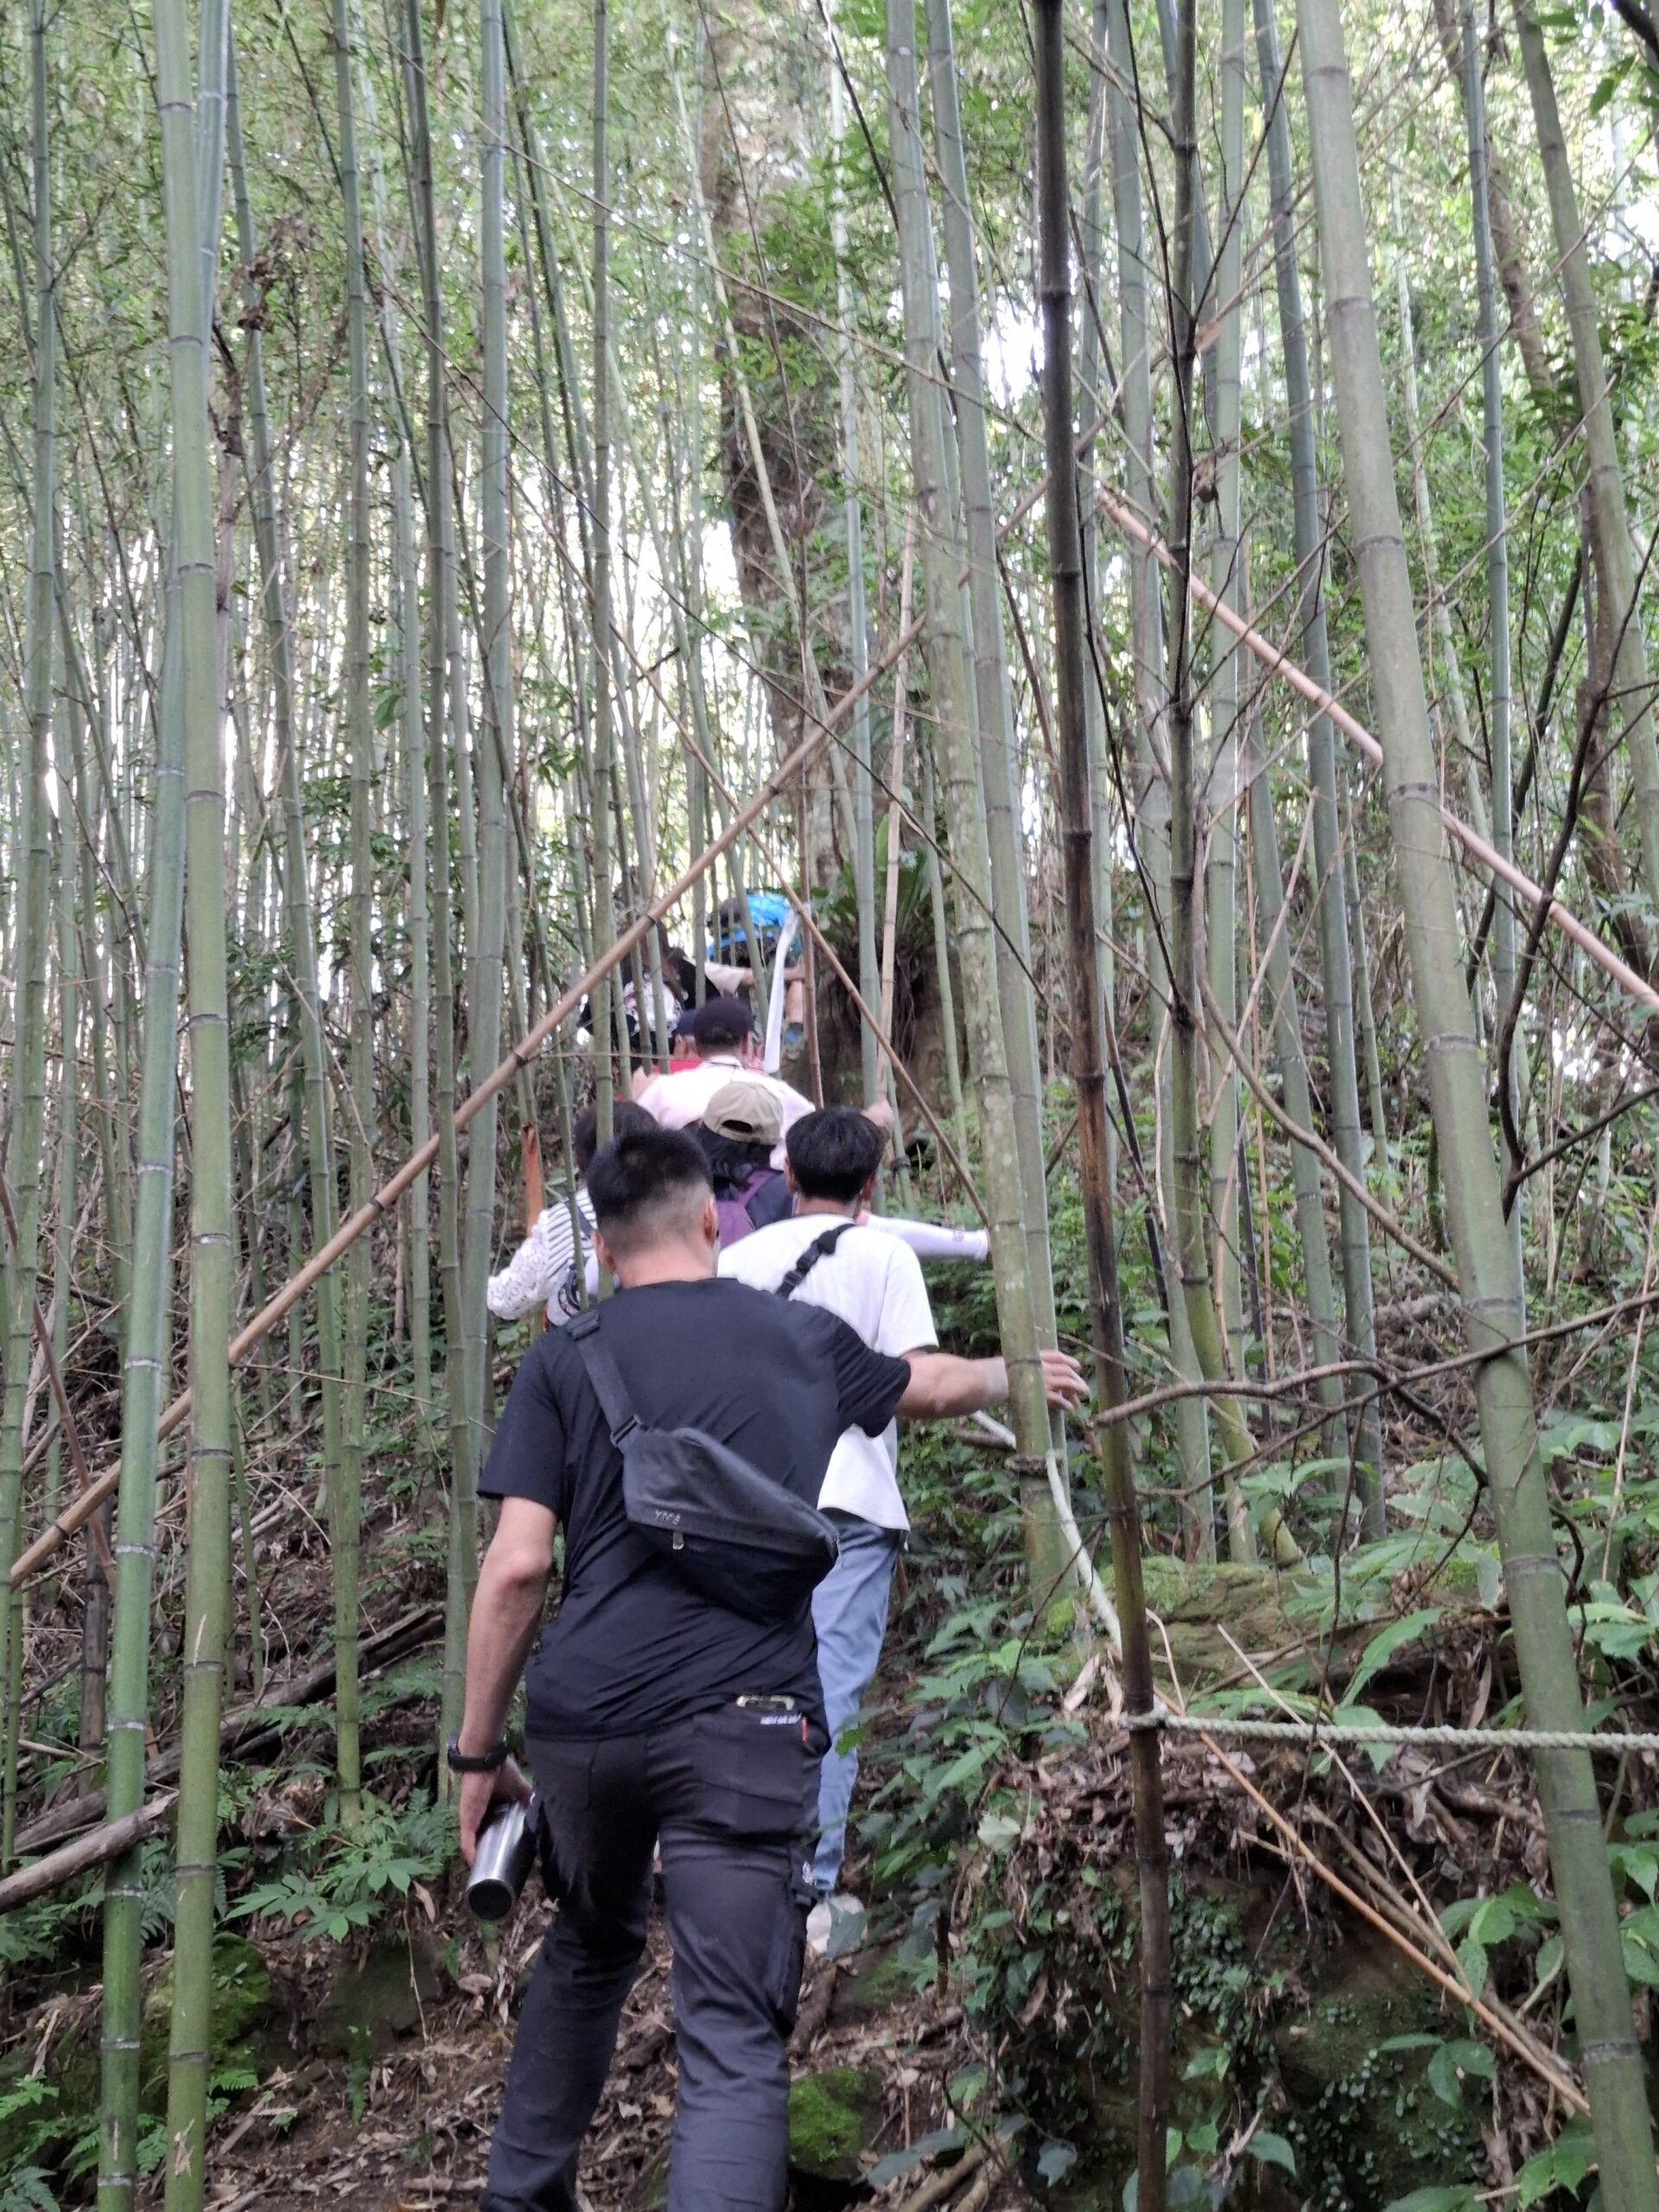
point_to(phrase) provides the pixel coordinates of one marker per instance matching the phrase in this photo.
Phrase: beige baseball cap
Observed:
(746, 1110)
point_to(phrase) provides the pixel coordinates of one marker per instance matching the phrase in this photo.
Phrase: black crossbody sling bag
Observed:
(737, 1536)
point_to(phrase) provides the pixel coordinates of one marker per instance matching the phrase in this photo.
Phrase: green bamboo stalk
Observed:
(441, 616)
(143, 1394)
(32, 875)
(1337, 969)
(344, 1495)
(1092, 404)
(992, 700)
(1497, 574)
(1490, 1288)
(211, 1226)
(1444, 631)
(869, 974)
(1185, 1135)
(487, 915)
(1152, 790)
(1089, 1079)
(1221, 793)
(108, 1086)
(301, 929)
(1284, 1016)
(420, 989)
(952, 702)
(69, 1001)
(1609, 527)
(600, 774)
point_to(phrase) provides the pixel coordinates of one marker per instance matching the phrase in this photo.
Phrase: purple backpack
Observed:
(762, 1198)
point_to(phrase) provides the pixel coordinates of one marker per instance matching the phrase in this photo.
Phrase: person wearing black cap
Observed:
(722, 1030)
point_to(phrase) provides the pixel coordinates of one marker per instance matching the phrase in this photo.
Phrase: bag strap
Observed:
(820, 1249)
(606, 1376)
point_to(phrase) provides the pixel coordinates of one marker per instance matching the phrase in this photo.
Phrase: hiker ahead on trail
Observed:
(872, 1282)
(545, 1270)
(739, 1134)
(723, 1030)
(675, 1695)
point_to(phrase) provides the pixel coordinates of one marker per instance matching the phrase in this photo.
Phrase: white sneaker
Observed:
(836, 1925)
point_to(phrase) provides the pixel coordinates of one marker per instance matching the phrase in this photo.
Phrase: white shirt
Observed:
(679, 1102)
(540, 1271)
(873, 1283)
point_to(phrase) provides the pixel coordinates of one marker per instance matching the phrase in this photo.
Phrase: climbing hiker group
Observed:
(717, 1443)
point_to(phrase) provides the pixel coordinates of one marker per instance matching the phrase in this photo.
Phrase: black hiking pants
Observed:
(730, 1795)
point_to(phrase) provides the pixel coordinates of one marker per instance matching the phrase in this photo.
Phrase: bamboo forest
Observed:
(1087, 561)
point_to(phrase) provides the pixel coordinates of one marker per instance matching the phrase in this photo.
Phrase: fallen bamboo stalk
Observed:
(945, 2182)
(1279, 663)
(249, 1725)
(95, 1849)
(1548, 2070)
(74, 1516)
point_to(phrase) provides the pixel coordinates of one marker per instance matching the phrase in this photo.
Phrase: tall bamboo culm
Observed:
(1490, 1289)
(32, 871)
(1336, 966)
(1152, 788)
(191, 197)
(1089, 1082)
(440, 614)
(954, 729)
(1615, 560)
(345, 1482)
(494, 756)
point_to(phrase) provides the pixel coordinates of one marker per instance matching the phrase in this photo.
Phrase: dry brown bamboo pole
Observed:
(1279, 663)
(95, 1848)
(74, 1516)
(1562, 2083)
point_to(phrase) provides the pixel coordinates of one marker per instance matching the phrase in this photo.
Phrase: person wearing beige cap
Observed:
(742, 1125)
(722, 1032)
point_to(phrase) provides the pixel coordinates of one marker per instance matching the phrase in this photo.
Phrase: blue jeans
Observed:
(850, 1611)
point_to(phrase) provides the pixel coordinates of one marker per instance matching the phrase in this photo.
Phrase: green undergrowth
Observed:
(1310, 2065)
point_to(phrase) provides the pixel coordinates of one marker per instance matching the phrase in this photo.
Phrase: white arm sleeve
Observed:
(932, 1239)
(536, 1270)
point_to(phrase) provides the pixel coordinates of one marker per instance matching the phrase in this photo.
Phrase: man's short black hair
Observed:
(834, 1152)
(584, 1137)
(643, 1180)
(720, 1023)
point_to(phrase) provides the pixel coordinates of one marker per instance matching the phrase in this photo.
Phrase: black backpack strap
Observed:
(605, 1376)
(820, 1249)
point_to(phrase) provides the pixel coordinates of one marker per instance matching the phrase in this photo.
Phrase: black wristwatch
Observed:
(477, 1762)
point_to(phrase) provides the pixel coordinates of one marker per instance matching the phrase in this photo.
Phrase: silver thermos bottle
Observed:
(506, 1852)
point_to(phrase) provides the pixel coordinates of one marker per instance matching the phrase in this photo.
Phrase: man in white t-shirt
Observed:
(873, 1283)
(722, 1030)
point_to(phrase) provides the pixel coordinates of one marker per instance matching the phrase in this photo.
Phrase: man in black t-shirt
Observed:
(655, 1714)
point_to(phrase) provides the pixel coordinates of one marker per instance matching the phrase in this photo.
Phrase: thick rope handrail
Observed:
(1279, 663)
(1314, 1732)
